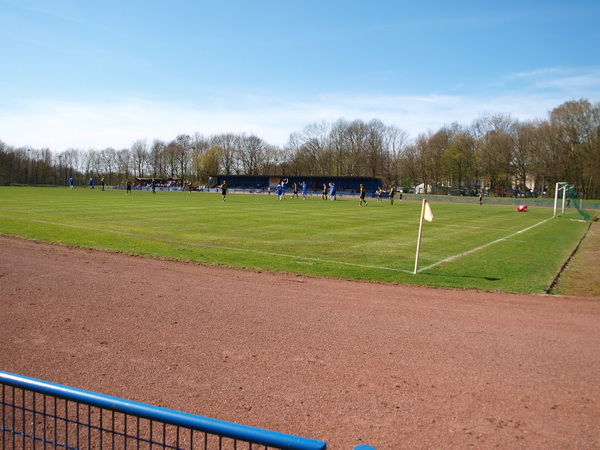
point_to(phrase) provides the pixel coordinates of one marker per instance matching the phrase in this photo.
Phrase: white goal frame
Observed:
(562, 188)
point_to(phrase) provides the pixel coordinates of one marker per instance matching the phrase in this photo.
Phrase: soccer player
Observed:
(224, 188)
(103, 181)
(332, 191)
(379, 194)
(279, 189)
(295, 190)
(128, 186)
(324, 196)
(362, 191)
(392, 193)
(303, 185)
(72, 182)
(154, 185)
(91, 183)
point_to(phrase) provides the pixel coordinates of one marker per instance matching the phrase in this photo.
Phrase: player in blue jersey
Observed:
(279, 190)
(332, 191)
(303, 187)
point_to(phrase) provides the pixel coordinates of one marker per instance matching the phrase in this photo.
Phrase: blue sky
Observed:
(93, 74)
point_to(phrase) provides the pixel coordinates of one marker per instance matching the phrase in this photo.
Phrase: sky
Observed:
(91, 74)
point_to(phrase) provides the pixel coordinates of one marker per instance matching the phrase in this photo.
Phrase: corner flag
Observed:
(426, 214)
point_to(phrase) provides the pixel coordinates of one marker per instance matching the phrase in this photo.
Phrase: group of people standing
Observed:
(91, 182)
(329, 192)
(363, 192)
(281, 187)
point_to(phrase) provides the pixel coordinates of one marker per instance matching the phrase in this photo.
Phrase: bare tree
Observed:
(227, 143)
(271, 157)
(124, 163)
(170, 159)
(421, 160)
(395, 142)
(108, 158)
(339, 144)
(309, 149)
(156, 159)
(494, 144)
(139, 157)
(374, 148)
(71, 159)
(410, 164)
(458, 159)
(437, 145)
(199, 145)
(575, 127)
(527, 144)
(251, 152)
(183, 149)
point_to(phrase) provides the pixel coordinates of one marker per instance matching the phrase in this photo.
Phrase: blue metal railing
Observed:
(34, 411)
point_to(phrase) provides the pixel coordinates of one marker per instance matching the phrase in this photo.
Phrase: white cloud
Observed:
(60, 125)
(573, 82)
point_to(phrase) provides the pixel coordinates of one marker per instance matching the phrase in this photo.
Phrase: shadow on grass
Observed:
(461, 276)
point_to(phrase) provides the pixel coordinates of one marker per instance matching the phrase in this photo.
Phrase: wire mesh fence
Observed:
(37, 414)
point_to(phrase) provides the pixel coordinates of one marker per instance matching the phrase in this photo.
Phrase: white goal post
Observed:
(559, 188)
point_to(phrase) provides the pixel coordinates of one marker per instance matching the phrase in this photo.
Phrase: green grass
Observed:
(312, 237)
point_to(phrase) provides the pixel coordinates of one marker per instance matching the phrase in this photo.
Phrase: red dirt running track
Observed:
(345, 362)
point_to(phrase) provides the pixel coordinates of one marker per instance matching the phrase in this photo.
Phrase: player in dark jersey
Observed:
(224, 188)
(362, 192)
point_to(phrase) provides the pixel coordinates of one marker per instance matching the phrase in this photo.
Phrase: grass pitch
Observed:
(488, 247)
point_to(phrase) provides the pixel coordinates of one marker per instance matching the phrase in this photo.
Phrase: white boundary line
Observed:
(306, 258)
(482, 247)
(260, 252)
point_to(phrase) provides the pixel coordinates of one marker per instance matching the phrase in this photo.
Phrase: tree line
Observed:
(495, 152)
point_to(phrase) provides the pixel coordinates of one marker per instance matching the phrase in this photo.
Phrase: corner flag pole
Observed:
(419, 239)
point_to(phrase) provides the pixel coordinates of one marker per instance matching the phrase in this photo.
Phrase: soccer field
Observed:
(490, 247)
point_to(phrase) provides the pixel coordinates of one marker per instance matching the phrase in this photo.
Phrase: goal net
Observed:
(566, 198)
